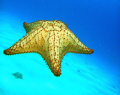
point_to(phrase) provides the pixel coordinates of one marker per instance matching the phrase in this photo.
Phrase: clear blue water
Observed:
(95, 22)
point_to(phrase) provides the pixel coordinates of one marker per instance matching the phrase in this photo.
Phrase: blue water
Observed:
(95, 22)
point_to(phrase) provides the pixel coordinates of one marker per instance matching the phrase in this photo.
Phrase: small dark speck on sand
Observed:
(78, 71)
(67, 64)
(114, 87)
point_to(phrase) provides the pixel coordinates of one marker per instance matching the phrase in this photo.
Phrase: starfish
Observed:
(52, 40)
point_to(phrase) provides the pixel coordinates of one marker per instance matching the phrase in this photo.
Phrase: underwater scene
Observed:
(59, 47)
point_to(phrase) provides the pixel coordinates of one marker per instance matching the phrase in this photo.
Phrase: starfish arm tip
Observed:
(91, 51)
(7, 52)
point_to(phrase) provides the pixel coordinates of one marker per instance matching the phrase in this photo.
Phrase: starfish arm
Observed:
(29, 43)
(75, 45)
(34, 25)
(53, 55)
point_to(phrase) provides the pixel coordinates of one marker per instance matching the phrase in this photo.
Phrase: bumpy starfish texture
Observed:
(52, 40)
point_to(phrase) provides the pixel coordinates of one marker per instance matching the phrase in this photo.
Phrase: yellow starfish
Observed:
(52, 40)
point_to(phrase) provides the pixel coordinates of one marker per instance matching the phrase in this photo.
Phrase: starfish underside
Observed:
(52, 40)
